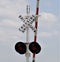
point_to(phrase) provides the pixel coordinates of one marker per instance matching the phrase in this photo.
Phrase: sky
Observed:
(48, 35)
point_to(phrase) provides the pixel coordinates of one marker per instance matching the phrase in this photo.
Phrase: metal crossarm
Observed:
(27, 21)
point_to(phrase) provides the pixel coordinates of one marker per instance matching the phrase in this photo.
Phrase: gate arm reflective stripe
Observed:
(36, 25)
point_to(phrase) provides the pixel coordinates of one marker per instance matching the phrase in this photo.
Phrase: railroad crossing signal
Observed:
(34, 47)
(20, 47)
(28, 20)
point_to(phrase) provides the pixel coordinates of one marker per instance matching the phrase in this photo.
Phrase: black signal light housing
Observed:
(20, 47)
(34, 47)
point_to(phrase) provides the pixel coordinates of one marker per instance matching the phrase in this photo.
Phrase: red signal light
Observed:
(20, 47)
(34, 47)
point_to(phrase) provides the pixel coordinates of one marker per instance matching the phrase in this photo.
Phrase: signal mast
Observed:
(34, 47)
(27, 54)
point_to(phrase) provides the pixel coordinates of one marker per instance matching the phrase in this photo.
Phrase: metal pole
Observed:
(27, 36)
(27, 30)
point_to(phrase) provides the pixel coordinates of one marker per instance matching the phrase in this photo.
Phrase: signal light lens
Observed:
(20, 47)
(34, 47)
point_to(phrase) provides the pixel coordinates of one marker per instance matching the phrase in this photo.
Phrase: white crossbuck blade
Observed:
(28, 21)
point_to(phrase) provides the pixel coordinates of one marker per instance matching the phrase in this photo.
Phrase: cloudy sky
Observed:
(48, 29)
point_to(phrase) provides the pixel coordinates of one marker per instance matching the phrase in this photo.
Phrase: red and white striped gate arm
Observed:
(36, 25)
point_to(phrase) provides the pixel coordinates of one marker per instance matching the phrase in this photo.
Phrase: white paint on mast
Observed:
(27, 30)
(27, 35)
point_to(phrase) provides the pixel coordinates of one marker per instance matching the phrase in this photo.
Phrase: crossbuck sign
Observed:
(28, 20)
